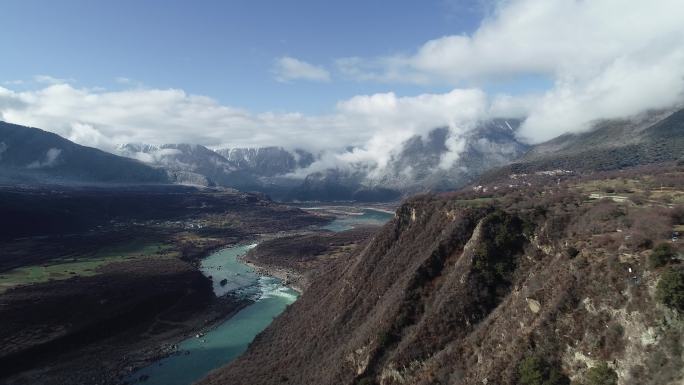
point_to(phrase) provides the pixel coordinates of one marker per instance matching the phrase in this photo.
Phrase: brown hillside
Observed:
(471, 289)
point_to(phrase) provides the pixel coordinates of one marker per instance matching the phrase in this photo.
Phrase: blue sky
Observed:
(222, 49)
(325, 75)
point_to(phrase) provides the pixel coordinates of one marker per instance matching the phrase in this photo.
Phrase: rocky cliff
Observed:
(541, 285)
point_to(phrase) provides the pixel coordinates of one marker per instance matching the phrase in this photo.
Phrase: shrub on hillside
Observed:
(677, 215)
(661, 255)
(366, 381)
(572, 251)
(648, 225)
(601, 374)
(670, 289)
(495, 255)
(536, 371)
(385, 338)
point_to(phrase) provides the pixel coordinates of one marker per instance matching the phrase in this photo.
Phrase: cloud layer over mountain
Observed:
(373, 124)
(606, 58)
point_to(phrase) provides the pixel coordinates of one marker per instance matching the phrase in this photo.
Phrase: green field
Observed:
(618, 185)
(636, 190)
(83, 265)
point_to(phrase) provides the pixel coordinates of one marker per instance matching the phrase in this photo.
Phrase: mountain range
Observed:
(420, 164)
(439, 161)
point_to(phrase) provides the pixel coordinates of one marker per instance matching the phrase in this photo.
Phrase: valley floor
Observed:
(93, 304)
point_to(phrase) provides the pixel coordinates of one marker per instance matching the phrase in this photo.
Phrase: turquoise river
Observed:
(200, 354)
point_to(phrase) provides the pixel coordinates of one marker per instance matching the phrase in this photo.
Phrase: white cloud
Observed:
(374, 125)
(608, 58)
(129, 82)
(456, 145)
(47, 79)
(50, 160)
(164, 155)
(88, 135)
(391, 120)
(621, 90)
(557, 37)
(288, 68)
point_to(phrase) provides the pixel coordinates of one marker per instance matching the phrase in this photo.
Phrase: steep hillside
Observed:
(551, 283)
(648, 138)
(31, 155)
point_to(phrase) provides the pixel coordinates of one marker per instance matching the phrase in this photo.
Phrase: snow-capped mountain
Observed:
(444, 160)
(441, 160)
(267, 161)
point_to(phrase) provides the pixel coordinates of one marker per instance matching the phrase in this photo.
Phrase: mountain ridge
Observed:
(653, 137)
(30, 155)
